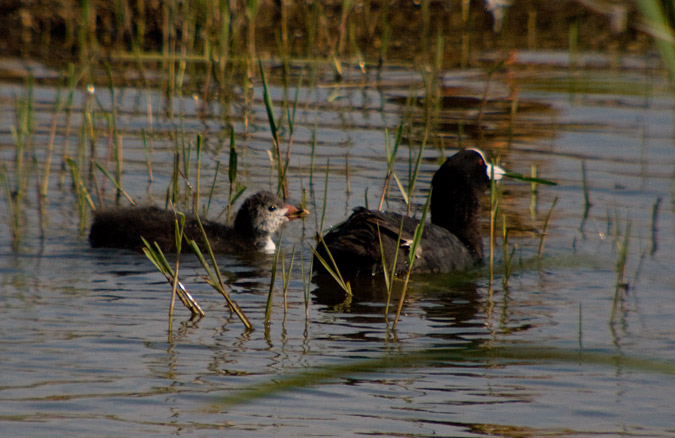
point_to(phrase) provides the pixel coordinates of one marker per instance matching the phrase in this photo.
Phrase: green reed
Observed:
(252, 7)
(225, 21)
(83, 197)
(184, 149)
(173, 189)
(273, 277)
(661, 26)
(573, 41)
(585, 187)
(236, 189)
(156, 256)
(325, 199)
(654, 227)
(426, 24)
(385, 33)
(342, 28)
(283, 47)
(621, 288)
(490, 73)
(391, 159)
(534, 192)
(282, 165)
(212, 189)
(495, 201)
(115, 182)
(312, 157)
(114, 134)
(413, 172)
(88, 130)
(68, 105)
(198, 172)
(215, 278)
(508, 255)
(87, 31)
(330, 265)
(512, 119)
(389, 276)
(22, 134)
(540, 251)
(286, 276)
(412, 256)
(12, 208)
(306, 284)
(44, 186)
(622, 248)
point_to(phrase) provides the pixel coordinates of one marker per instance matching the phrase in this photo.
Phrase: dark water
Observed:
(84, 348)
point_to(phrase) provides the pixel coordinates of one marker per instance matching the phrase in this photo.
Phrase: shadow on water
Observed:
(449, 300)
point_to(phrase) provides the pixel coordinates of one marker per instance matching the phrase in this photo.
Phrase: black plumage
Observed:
(451, 242)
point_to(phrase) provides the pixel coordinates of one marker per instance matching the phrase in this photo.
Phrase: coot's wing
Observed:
(441, 251)
(355, 245)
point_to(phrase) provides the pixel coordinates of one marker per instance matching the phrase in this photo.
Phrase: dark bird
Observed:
(258, 218)
(451, 242)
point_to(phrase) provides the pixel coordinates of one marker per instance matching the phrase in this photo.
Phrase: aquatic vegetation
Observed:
(507, 256)
(156, 256)
(542, 239)
(660, 24)
(194, 99)
(215, 278)
(532, 354)
(412, 255)
(236, 188)
(83, 197)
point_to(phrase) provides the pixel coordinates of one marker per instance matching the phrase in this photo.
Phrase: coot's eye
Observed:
(272, 208)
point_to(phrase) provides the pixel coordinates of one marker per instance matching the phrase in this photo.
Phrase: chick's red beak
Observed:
(293, 212)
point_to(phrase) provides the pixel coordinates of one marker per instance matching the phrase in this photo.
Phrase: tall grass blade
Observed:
(390, 276)
(273, 277)
(236, 189)
(156, 256)
(83, 198)
(114, 181)
(213, 189)
(12, 208)
(391, 158)
(274, 129)
(540, 251)
(412, 255)
(215, 279)
(657, 25)
(332, 267)
(621, 284)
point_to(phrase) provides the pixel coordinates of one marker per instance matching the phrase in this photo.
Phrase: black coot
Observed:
(257, 220)
(451, 242)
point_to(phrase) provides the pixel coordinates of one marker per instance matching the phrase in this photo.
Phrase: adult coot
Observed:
(451, 242)
(257, 219)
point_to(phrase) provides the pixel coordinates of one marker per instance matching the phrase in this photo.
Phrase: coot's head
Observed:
(467, 169)
(262, 214)
(456, 189)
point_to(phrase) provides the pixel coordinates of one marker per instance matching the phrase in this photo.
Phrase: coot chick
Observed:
(257, 220)
(451, 242)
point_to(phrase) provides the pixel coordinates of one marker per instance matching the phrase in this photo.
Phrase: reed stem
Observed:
(540, 251)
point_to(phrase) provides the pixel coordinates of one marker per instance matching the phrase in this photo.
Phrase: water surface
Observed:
(84, 348)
